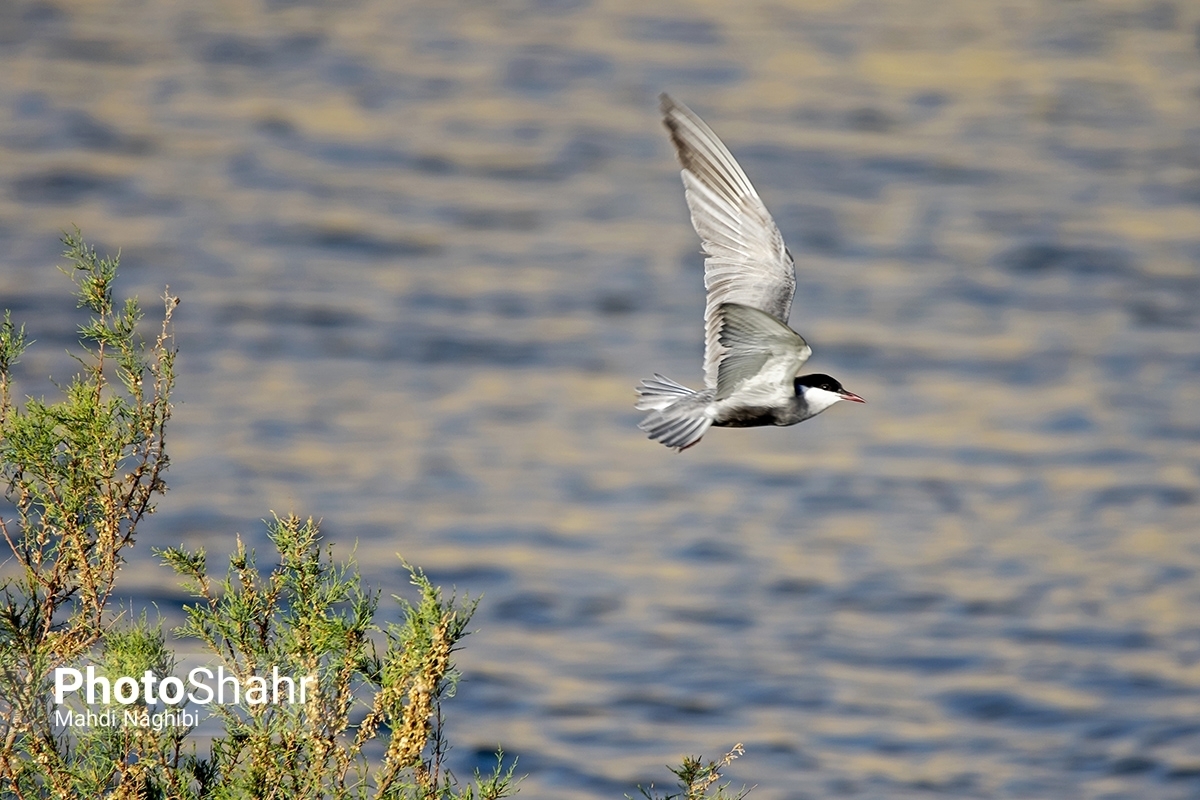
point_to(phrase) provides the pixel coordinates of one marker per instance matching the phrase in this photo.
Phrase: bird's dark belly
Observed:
(747, 418)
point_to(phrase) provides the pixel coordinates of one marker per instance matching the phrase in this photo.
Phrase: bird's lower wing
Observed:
(760, 356)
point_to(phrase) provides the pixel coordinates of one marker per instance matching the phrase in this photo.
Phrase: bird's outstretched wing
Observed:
(760, 356)
(747, 262)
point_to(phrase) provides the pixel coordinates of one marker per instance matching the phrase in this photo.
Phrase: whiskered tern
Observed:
(752, 359)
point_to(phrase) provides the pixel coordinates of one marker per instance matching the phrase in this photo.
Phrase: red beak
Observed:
(851, 396)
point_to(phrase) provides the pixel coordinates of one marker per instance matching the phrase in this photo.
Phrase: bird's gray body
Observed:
(738, 415)
(751, 357)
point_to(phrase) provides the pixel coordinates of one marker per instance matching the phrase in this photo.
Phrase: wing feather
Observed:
(748, 262)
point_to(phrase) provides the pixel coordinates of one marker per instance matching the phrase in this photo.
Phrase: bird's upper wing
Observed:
(760, 356)
(747, 262)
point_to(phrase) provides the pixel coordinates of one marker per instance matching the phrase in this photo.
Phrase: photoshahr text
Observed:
(203, 687)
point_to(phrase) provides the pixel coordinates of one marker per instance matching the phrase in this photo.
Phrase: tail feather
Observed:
(678, 432)
(658, 392)
(672, 420)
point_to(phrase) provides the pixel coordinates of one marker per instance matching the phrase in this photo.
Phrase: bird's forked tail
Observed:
(678, 415)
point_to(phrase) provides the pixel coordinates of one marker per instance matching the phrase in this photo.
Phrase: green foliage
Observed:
(309, 616)
(697, 779)
(124, 760)
(81, 473)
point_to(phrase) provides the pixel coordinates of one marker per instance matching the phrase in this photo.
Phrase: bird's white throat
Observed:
(818, 399)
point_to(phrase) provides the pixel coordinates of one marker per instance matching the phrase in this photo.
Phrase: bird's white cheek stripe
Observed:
(819, 399)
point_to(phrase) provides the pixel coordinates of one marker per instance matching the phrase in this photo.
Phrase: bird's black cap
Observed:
(820, 381)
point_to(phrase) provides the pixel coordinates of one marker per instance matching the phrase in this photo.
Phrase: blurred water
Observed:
(426, 250)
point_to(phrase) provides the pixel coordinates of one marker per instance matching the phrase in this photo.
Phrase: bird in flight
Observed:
(752, 359)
